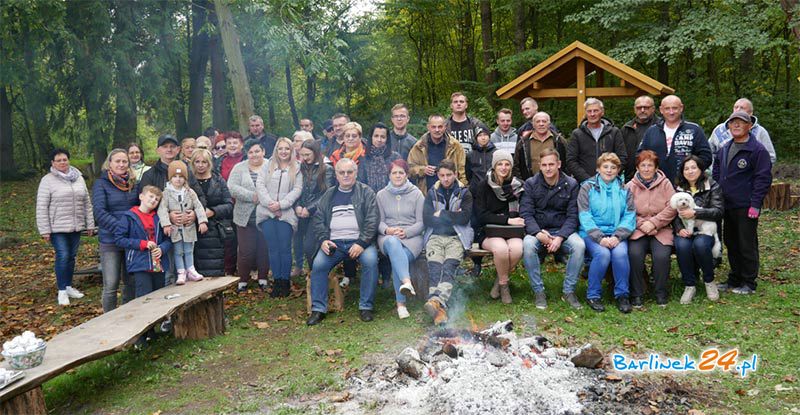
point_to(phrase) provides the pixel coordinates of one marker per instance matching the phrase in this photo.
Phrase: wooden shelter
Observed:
(563, 76)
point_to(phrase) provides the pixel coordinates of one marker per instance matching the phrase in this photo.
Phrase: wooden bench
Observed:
(196, 314)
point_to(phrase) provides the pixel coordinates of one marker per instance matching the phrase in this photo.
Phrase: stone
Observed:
(586, 356)
(409, 363)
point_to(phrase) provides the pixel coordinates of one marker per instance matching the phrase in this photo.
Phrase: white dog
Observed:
(681, 201)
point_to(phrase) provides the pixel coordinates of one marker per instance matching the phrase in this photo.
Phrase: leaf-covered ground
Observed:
(269, 361)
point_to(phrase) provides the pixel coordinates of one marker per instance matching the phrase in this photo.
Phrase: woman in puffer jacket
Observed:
(63, 211)
(211, 189)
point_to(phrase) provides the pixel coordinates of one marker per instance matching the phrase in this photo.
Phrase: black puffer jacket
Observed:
(708, 200)
(209, 251)
(583, 150)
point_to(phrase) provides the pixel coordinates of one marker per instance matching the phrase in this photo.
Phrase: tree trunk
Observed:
(490, 74)
(290, 96)
(125, 122)
(520, 32)
(268, 73)
(198, 61)
(173, 72)
(219, 102)
(790, 8)
(236, 69)
(35, 110)
(7, 166)
(663, 66)
(311, 93)
(469, 43)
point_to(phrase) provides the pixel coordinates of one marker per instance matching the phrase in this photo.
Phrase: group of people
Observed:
(227, 204)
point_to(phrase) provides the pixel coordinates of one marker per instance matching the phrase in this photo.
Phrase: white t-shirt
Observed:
(670, 134)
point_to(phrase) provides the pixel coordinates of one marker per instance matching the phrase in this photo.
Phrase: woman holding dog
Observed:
(651, 191)
(694, 249)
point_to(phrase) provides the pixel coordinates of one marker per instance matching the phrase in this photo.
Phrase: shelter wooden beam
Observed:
(581, 88)
(612, 92)
(553, 93)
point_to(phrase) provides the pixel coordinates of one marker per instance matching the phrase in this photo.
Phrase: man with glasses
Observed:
(399, 138)
(345, 223)
(633, 131)
(673, 138)
(721, 134)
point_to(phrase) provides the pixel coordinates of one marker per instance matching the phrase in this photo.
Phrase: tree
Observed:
(236, 70)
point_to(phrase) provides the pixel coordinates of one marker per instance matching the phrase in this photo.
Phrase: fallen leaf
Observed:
(568, 320)
(789, 379)
(262, 324)
(695, 412)
(796, 312)
(612, 378)
(284, 317)
(336, 352)
(778, 321)
(672, 329)
(741, 392)
(342, 397)
(782, 294)
(629, 343)
(781, 388)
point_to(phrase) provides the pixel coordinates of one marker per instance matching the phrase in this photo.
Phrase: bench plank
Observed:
(113, 331)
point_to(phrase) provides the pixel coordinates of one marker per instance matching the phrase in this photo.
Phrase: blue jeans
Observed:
(147, 282)
(279, 243)
(115, 270)
(323, 264)
(692, 252)
(602, 257)
(298, 241)
(184, 255)
(532, 248)
(400, 258)
(66, 247)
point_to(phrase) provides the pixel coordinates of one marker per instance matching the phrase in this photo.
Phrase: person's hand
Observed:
(516, 221)
(613, 241)
(685, 233)
(274, 207)
(555, 244)
(401, 233)
(156, 252)
(544, 237)
(687, 213)
(326, 246)
(189, 218)
(527, 133)
(255, 198)
(203, 228)
(430, 170)
(168, 230)
(437, 213)
(355, 251)
(176, 217)
(753, 213)
(299, 211)
(306, 213)
(90, 232)
(210, 213)
(151, 245)
(46, 237)
(647, 227)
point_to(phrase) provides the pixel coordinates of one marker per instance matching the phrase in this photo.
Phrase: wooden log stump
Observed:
(779, 197)
(30, 402)
(419, 278)
(202, 320)
(335, 302)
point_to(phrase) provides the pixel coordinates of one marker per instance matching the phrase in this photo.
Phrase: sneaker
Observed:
(711, 291)
(724, 287)
(315, 318)
(688, 295)
(402, 312)
(505, 294)
(495, 292)
(365, 315)
(263, 285)
(540, 300)
(73, 293)
(596, 304)
(181, 277)
(63, 297)
(743, 290)
(436, 311)
(661, 301)
(242, 287)
(623, 305)
(572, 300)
(407, 290)
(193, 275)
(166, 326)
(636, 302)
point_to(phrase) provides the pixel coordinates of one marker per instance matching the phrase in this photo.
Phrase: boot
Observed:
(181, 277)
(193, 275)
(436, 311)
(495, 292)
(505, 294)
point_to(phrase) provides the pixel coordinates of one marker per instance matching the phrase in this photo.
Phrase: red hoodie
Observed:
(149, 225)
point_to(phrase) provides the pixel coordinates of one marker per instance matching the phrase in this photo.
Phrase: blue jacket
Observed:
(108, 205)
(605, 209)
(746, 180)
(554, 209)
(689, 139)
(129, 237)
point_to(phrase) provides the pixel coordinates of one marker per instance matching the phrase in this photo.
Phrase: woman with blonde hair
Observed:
(278, 187)
(353, 148)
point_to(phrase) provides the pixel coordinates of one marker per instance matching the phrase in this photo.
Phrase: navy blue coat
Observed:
(129, 236)
(689, 139)
(554, 209)
(746, 180)
(108, 205)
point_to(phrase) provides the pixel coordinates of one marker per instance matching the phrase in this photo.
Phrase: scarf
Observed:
(509, 191)
(377, 167)
(404, 188)
(646, 183)
(120, 181)
(71, 175)
(353, 155)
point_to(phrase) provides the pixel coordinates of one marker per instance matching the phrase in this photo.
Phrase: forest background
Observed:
(92, 75)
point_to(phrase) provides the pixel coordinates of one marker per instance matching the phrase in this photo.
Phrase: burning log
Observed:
(586, 356)
(451, 350)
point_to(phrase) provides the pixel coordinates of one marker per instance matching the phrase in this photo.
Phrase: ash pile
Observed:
(479, 372)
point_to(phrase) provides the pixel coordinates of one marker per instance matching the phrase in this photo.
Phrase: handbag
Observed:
(504, 231)
(225, 229)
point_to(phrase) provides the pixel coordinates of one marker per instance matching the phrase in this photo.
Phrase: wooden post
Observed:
(202, 320)
(30, 402)
(580, 88)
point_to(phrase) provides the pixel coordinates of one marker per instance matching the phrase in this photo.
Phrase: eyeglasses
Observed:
(642, 107)
(399, 116)
(219, 148)
(345, 172)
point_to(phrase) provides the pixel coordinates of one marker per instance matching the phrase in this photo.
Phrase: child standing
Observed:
(180, 198)
(144, 243)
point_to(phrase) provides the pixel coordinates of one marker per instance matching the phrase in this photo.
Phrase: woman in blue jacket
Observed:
(607, 218)
(113, 194)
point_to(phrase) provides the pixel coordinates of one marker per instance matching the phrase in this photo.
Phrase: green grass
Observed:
(255, 370)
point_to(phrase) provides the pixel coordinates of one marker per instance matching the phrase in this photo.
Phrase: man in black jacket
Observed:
(596, 135)
(549, 206)
(459, 124)
(346, 223)
(257, 133)
(633, 131)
